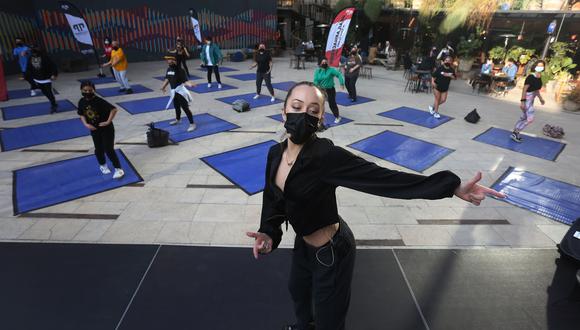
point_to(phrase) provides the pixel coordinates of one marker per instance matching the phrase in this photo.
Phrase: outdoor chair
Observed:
(413, 82)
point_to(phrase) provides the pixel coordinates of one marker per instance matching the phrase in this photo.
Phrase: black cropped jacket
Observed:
(308, 201)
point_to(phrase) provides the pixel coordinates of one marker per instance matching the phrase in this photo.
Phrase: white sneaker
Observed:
(174, 122)
(191, 127)
(272, 99)
(209, 85)
(220, 86)
(119, 173)
(436, 115)
(256, 96)
(32, 92)
(104, 169)
(431, 110)
(337, 120)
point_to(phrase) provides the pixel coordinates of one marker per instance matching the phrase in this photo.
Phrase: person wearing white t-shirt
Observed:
(211, 56)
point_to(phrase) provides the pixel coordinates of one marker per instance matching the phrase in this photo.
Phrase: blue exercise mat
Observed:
(25, 93)
(533, 146)
(245, 167)
(191, 77)
(221, 68)
(284, 86)
(35, 109)
(328, 119)
(26, 136)
(402, 150)
(98, 81)
(54, 183)
(344, 100)
(548, 197)
(206, 125)
(244, 76)
(415, 117)
(202, 88)
(263, 100)
(135, 107)
(114, 91)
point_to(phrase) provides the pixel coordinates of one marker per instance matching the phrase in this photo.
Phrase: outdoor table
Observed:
(299, 58)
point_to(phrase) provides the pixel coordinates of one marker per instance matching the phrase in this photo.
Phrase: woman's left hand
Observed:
(542, 101)
(474, 193)
(105, 123)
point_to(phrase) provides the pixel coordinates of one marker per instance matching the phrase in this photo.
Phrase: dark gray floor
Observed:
(59, 286)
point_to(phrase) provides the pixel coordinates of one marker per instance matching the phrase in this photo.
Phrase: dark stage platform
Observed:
(86, 286)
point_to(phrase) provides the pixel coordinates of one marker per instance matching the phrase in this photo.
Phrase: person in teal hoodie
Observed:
(211, 56)
(324, 78)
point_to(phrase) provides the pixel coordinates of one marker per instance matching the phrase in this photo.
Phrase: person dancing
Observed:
(302, 174)
(263, 61)
(531, 90)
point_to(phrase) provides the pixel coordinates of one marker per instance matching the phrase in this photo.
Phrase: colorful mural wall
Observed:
(141, 29)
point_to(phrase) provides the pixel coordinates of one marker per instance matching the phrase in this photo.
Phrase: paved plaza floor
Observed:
(166, 249)
(184, 201)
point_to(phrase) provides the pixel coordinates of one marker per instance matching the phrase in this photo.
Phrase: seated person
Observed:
(510, 70)
(487, 67)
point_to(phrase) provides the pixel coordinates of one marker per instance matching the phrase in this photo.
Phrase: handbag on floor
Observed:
(157, 137)
(570, 245)
(241, 105)
(472, 117)
(555, 132)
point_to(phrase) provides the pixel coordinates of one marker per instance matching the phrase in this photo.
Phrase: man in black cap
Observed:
(176, 78)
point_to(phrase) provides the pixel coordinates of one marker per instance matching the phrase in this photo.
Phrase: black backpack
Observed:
(570, 245)
(157, 137)
(472, 117)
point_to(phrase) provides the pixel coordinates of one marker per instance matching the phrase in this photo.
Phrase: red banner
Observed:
(337, 36)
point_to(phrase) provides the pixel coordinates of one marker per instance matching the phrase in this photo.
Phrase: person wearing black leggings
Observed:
(324, 78)
(176, 78)
(42, 71)
(211, 57)
(97, 115)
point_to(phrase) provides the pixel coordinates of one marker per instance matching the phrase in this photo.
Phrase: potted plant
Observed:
(497, 54)
(572, 100)
(467, 50)
(521, 55)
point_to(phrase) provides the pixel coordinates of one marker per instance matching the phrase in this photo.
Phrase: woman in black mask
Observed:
(302, 174)
(441, 78)
(97, 116)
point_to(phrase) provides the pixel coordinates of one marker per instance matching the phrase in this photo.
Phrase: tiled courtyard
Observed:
(184, 201)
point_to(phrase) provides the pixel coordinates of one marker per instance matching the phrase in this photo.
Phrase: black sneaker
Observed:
(122, 90)
(53, 108)
(516, 137)
(129, 91)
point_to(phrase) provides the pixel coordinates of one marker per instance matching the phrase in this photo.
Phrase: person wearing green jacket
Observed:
(211, 56)
(324, 78)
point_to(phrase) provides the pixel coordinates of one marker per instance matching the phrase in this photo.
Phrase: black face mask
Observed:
(262, 50)
(324, 66)
(19, 44)
(88, 95)
(116, 48)
(300, 126)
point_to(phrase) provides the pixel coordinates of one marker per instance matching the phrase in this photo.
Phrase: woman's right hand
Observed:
(262, 243)
(523, 106)
(91, 127)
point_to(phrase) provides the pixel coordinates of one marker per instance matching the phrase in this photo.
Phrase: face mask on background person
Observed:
(539, 69)
(88, 95)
